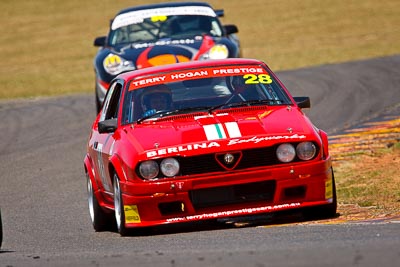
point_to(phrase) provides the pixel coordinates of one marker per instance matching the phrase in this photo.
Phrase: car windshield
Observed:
(206, 89)
(165, 27)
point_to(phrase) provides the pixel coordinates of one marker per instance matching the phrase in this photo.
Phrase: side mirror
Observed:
(231, 28)
(219, 12)
(302, 101)
(107, 126)
(100, 41)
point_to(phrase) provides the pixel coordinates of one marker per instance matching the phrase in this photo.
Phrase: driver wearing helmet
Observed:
(156, 98)
(245, 92)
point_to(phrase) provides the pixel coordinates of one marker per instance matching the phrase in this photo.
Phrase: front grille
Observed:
(199, 164)
(211, 163)
(235, 194)
(208, 163)
(258, 157)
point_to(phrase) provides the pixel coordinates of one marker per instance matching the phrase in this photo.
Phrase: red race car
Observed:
(204, 140)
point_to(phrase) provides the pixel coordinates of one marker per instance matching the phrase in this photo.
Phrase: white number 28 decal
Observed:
(254, 79)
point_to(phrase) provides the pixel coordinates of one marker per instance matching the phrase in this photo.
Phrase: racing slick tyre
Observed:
(1, 231)
(119, 208)
(100, 219)
(98, 103)
(324, 211)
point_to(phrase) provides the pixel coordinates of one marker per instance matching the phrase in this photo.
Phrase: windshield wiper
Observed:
(163, 113)
(246, 103)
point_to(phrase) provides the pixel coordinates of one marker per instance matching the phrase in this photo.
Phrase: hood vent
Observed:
(180, 117)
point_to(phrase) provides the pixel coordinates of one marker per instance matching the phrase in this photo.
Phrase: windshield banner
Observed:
(251, 74)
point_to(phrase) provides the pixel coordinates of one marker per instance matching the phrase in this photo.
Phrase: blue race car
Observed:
(159, 34)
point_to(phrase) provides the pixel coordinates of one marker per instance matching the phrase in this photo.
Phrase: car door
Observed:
(104, 141)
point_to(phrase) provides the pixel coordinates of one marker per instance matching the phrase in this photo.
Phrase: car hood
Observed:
(187, 134)
(166, 51)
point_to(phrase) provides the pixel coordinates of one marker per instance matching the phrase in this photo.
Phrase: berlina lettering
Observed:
(176, 149)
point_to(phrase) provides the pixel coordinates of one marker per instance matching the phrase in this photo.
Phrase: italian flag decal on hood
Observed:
(222, 131)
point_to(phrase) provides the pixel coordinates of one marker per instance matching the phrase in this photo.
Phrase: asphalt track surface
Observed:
(43, 190)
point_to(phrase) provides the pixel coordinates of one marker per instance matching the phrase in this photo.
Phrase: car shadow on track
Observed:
(267, 220)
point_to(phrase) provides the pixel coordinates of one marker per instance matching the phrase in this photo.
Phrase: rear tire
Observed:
(119, 208)
(100, 219)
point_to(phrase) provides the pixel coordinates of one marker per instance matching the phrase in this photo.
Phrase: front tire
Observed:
(1, 230)
(325, 211)
(98, 103)
(100, 219)
(119, 207)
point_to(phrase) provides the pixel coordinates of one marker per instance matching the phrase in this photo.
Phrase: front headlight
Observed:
(149, 169)
(218, 51)
(114, 64)
(306, 150)
(169, 167)
(286, 152)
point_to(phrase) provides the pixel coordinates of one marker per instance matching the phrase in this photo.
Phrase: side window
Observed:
(111, 102)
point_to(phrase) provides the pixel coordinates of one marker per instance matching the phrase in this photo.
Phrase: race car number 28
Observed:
(254, 79)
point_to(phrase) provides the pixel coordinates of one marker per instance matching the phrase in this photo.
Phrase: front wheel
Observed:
(325, 211)
(119, 207)
(97, 100)
(1, 231)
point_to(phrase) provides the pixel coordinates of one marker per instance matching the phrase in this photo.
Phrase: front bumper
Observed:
(201, 197)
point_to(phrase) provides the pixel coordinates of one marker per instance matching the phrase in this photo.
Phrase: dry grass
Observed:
(371, 180)
(47, 44)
